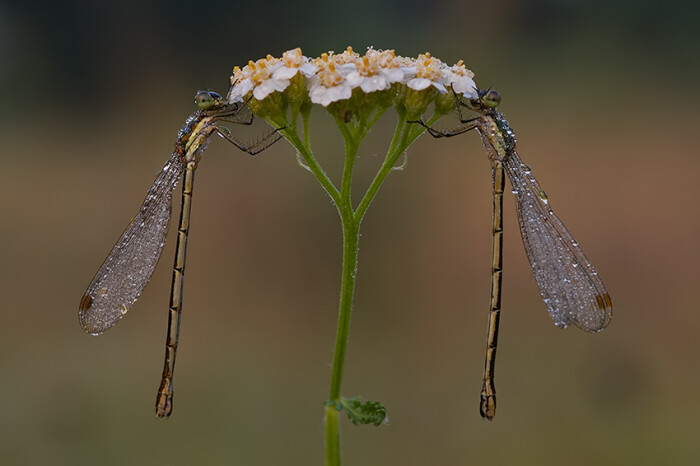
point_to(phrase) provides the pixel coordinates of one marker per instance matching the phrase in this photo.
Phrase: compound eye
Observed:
(206, 99)
(491, 99)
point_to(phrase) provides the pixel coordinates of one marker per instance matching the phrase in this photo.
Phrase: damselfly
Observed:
(568, 282)
(129, 266)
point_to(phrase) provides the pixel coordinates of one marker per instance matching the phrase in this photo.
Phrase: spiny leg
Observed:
(241, 114)
(468, 125)
(254, 148)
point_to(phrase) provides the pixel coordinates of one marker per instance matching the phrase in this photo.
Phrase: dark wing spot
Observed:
(85, 303)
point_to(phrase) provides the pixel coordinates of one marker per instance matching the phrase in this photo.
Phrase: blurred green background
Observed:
(603, 97)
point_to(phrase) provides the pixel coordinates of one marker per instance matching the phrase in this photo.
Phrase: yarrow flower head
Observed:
(268, 75)
(333, 78)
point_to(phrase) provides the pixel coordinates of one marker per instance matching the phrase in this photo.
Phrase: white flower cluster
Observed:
(332, 77)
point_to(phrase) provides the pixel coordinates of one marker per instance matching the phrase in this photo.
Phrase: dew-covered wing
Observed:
(129, 266)
(568, 282)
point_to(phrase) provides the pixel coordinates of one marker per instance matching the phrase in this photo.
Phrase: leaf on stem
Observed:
(364, 412)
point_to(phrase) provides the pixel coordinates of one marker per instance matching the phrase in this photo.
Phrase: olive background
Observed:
(603, 98)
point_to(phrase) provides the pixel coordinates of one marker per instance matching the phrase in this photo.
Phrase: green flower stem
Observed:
(311, 162)
(351, 239)
(351, 218)
(351, 147)
(332, 436)
(404, 136)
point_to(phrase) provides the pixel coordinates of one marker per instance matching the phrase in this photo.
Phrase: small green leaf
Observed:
(364, 412)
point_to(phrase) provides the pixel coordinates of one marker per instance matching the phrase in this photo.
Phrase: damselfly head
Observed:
(489, 98)
(207, 99)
